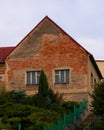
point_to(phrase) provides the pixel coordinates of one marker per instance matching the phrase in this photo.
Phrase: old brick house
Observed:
(71, 70)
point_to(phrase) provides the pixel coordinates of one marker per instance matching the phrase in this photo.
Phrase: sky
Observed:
(83, 20)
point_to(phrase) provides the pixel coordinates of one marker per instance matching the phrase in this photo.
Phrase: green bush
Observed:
(98, 101)
(98, 126)
(68, 105)
(5, 96)
(33, 112)
(18, 96)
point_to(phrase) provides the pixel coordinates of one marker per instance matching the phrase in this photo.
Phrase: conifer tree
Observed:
(46, 97)
(43, 85)
(43, 90)
(98, 99)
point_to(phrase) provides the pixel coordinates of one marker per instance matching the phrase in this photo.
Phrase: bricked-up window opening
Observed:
(62, 76)
(33, 77)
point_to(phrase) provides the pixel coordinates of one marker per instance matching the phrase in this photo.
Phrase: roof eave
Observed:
(96, 67)
(2, 62)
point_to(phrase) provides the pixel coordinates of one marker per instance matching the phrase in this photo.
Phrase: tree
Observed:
(98, 99)
(43, 90)
(46, 97)
(43, 85)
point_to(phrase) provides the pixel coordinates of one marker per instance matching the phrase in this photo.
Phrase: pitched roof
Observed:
(50, 20)
(7, 50)
(4, 52)
(96, 66)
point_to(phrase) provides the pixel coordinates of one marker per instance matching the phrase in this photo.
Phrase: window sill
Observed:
(31, 85)
(60, 83)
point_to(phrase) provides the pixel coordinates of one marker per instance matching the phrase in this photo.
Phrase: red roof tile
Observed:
(4, 52)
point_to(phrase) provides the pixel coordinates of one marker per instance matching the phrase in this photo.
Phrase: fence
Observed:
(70, 118)
(96, 124)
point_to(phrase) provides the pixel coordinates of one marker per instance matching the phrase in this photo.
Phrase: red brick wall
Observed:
(56, 52)
(2, 76)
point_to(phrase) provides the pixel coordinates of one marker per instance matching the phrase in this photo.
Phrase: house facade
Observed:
(100, 64)
(71, 70)
(4, 52)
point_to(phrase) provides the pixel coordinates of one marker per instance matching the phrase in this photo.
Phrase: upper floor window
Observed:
(32, 77)
(62, 76)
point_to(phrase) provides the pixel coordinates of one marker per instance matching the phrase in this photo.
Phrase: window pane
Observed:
(57, 79)
(62, 76)
(38, 76)
(56, 72)
(28, 77)
(57, 76)
(33, 78)
(67, 76)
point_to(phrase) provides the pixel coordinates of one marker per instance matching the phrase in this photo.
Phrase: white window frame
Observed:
(60, 77)
(30, 74)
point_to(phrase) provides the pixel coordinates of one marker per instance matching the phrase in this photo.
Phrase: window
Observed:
(33, 77)
(91, 80)
(94, 81)
(62, 76)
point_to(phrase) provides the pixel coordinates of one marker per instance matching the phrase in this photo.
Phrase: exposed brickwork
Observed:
(47, 47)
(56, 52)
(74, 96)
(2, 75)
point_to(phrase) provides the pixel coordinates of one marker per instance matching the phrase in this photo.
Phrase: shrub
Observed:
(5, 96)
(98, 101)
(18, 96)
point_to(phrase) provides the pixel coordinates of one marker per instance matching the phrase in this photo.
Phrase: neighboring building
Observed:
(71, 70)
(4, 52)
(100, 64)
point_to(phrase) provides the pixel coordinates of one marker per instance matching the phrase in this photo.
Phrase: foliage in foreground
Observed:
(32, 112)
(46, 97)
(25, 111)
(98, 126)
(98, 99)
(27, 115)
